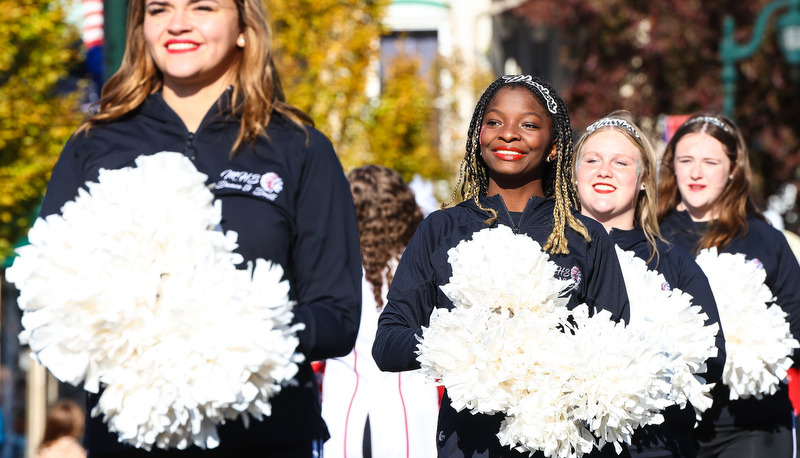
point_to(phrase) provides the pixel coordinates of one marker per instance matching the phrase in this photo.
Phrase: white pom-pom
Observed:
(758, 341)
(131, 289)
(668, 316)
(623, 381)
(503, 348)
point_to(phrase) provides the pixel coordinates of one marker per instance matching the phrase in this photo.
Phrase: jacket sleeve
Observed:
(784, 282)
(326, 256)
(66, 179)
(410, 301)
(695, 283)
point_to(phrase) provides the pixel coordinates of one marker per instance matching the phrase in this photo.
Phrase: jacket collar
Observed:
(530, 215)
(156, 108)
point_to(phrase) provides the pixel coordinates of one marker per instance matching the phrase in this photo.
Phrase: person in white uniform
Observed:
(371, 413)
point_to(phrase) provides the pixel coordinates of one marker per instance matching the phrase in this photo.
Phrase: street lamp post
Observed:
(730, 52)
(114, 12)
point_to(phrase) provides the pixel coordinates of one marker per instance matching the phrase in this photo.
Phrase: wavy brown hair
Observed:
(257, 90)
(473, 176)
(734, 204)
(645, 215)
(388, 216)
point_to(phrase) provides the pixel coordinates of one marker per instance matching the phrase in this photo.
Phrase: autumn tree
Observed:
(324, 49)
(402, 129)
(327, 52)
(37, 114)
(657, 58)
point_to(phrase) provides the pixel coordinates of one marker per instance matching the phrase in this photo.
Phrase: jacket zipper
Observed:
(189, 145)
(514, 227)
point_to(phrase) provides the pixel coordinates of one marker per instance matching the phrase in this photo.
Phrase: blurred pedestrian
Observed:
(371, 413)
(63, 431)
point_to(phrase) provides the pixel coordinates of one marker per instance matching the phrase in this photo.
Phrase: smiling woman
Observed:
(704, 203)
(198, 78)
(194, 45)
(515, 173)
(615, 176)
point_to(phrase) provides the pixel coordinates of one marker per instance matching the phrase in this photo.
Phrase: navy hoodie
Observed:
(289, 201)
(424, 267)
(673, 437)
(769, 246)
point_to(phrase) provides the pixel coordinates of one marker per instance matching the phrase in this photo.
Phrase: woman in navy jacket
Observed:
(198, 77)
(516, 172)
(615, 173)
(704, 201)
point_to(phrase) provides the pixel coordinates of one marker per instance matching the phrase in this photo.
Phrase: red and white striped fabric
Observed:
(92, 32)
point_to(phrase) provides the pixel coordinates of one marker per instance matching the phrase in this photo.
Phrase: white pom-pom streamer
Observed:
(669, 317)
(758, 341)
(132, 290)
(503, 348)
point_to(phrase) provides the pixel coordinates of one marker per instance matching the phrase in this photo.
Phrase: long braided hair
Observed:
(473, 176)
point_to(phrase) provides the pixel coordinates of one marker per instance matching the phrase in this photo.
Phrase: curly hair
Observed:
(473, 176)
(645, 212)
(388, 216)
(734, 203)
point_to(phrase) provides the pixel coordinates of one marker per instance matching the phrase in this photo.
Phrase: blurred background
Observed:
(394, 82)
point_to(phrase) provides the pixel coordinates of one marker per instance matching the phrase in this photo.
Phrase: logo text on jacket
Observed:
(268, 185)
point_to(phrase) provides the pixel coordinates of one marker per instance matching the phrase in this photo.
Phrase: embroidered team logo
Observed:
(271, 182)
(268, 185)
(575, 274)
(757, 262)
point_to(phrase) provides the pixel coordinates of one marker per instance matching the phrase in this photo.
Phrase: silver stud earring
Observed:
(240, 41)
(642, 187)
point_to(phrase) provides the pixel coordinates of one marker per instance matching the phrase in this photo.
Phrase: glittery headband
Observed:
(711, 120)
(552, 107)
(616, 122)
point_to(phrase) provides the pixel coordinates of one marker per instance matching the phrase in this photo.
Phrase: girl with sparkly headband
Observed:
(615, 173)
(704, 202)
(516, 172)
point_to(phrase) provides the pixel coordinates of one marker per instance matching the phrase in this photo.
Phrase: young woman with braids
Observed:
(370, 412)
(615, 173)
(198, 77)
(704, 201)
(516, 172)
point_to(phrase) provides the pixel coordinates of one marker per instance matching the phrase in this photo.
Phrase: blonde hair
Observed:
(645, 214)
(257, 93)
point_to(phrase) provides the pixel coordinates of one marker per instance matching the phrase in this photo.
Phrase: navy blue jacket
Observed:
(424, 267)
(768, 245)
(307, 225)
(673, 437)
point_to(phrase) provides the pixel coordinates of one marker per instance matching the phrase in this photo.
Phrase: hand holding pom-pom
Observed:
(510, 345)
(133, 290)
(758, 340)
